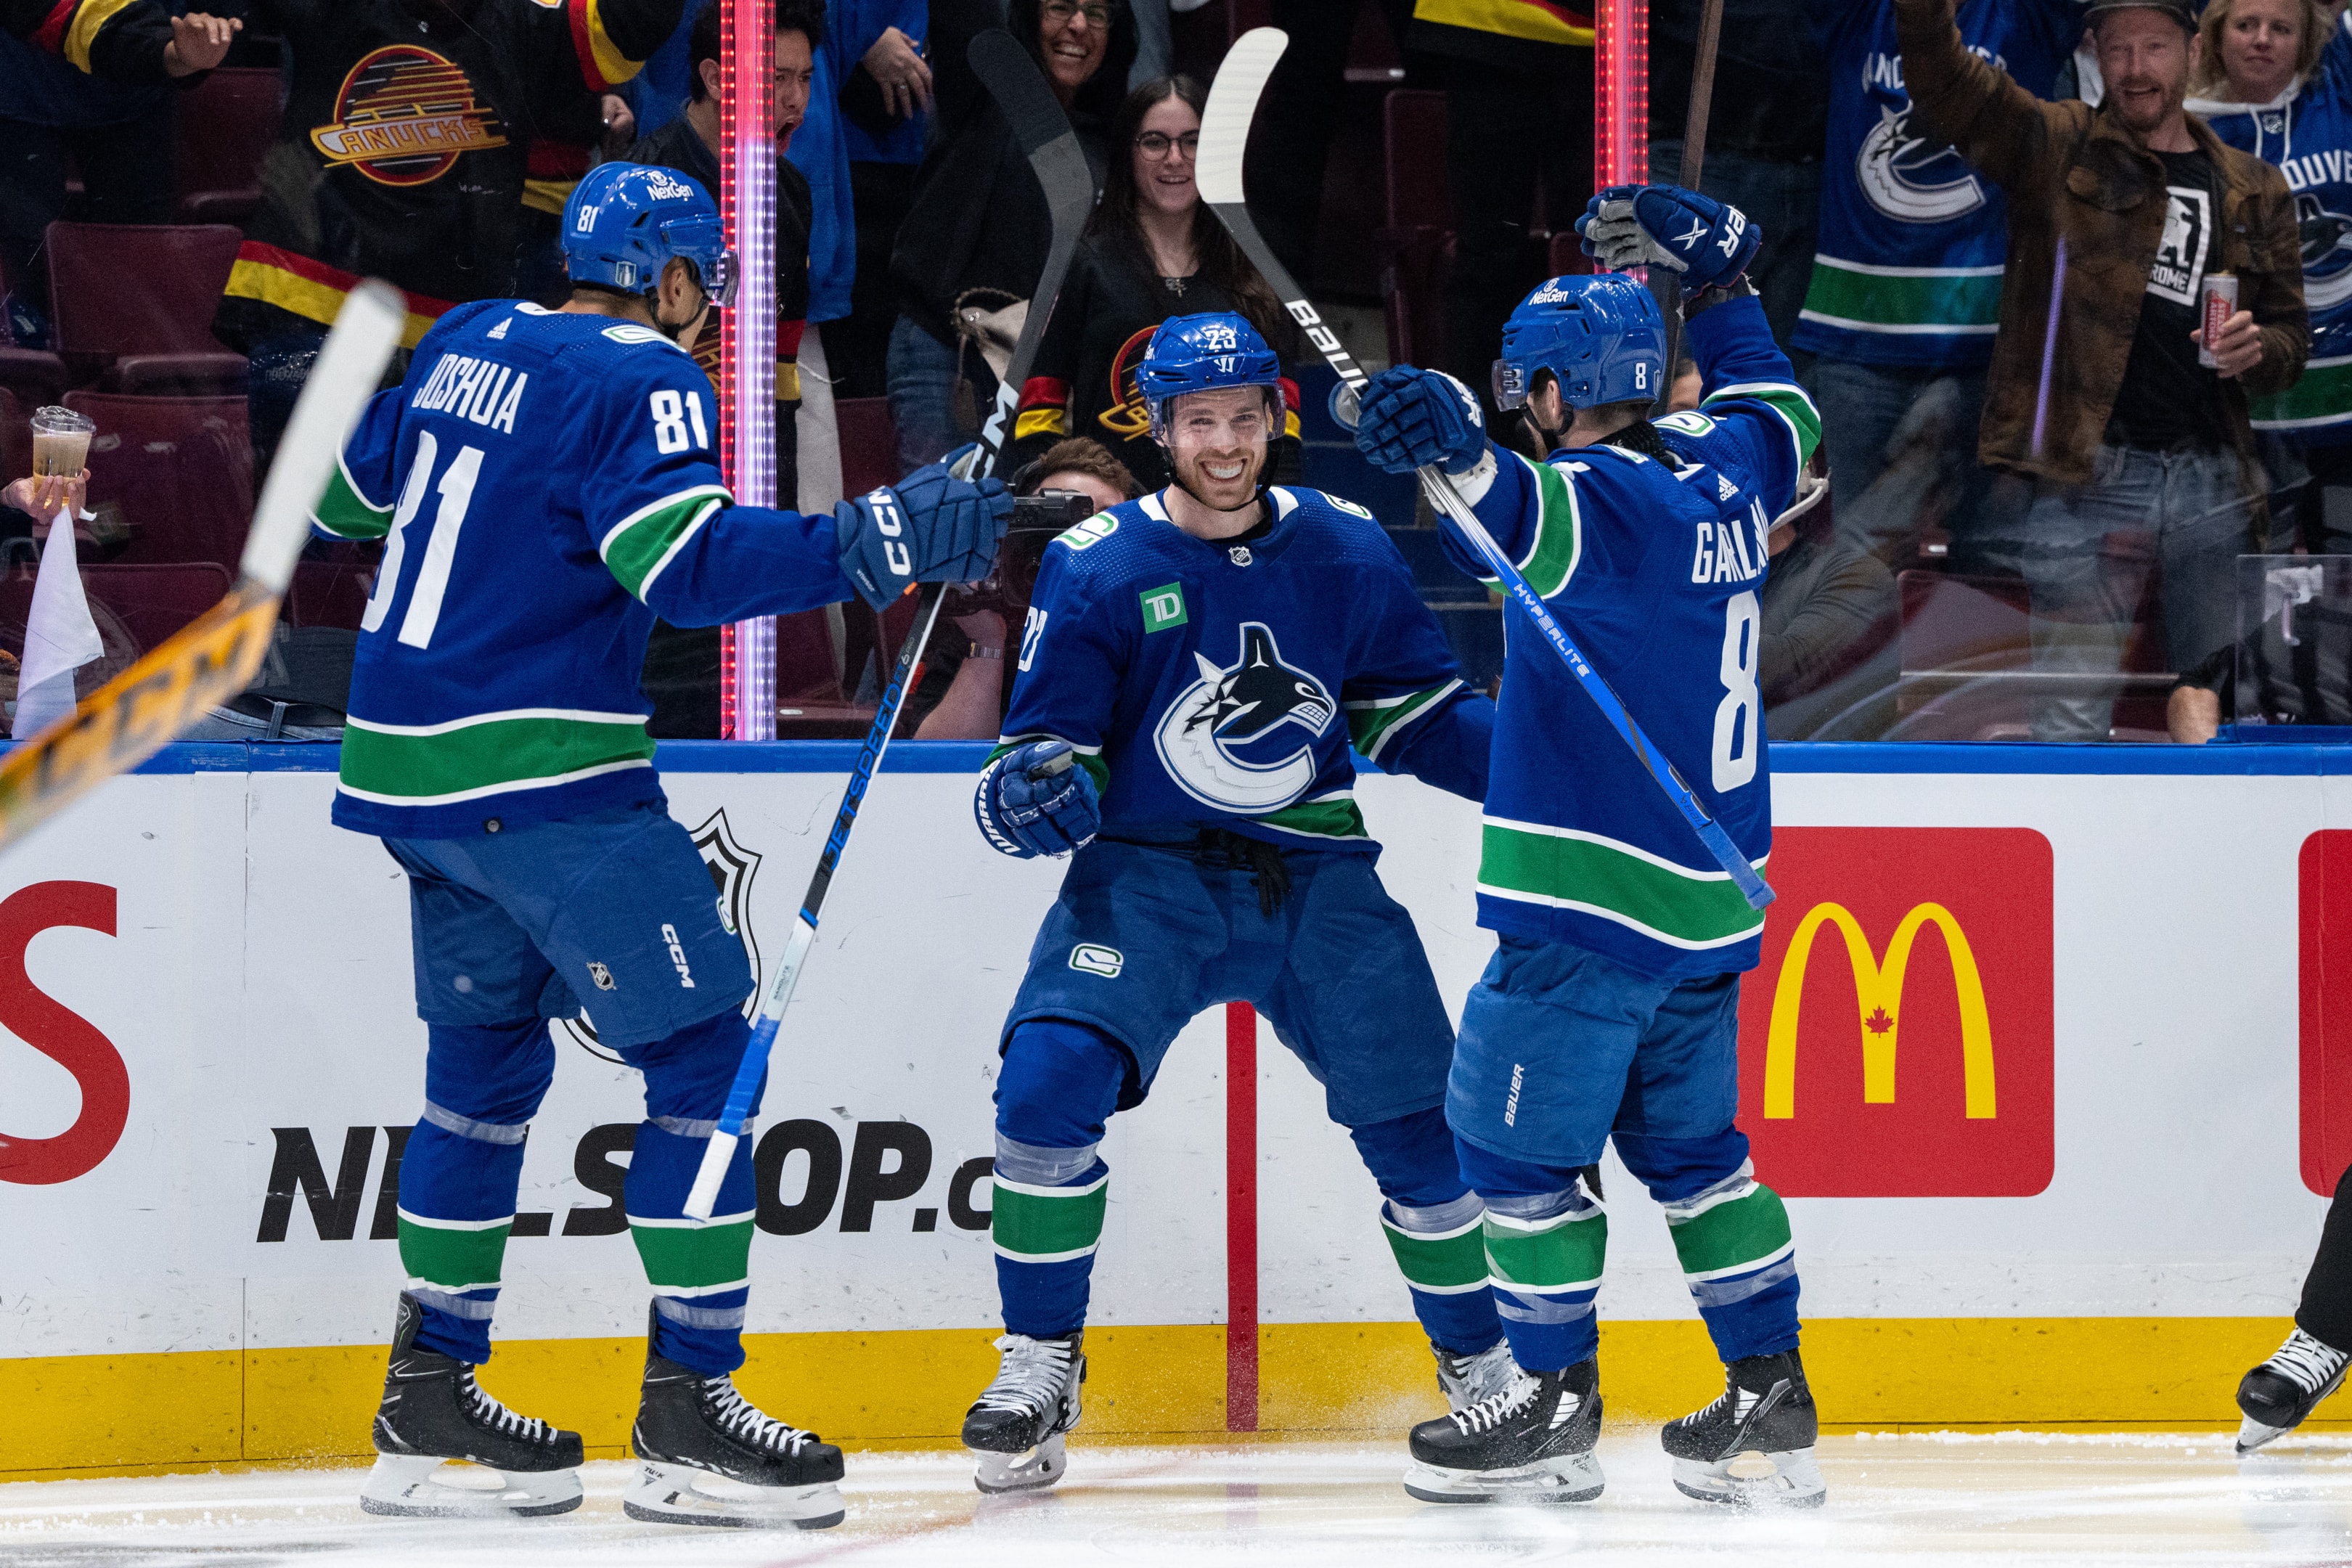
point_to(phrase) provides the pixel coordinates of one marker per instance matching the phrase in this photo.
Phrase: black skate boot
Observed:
(1018, 1423)
(710, 1456)
(1464, 1380)
(2276, 1395)
(1756, 1443)
(434, 1411)
(1530, 1441)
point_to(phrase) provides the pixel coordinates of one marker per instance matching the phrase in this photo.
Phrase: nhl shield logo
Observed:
(1243, 737)
(732, 869)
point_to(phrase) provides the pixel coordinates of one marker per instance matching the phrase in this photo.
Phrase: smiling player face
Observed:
(1216, 443)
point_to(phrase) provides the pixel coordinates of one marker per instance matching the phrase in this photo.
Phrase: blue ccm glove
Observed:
(929, 527)
(1708, 243)
(1412, 419)
(1036, 800)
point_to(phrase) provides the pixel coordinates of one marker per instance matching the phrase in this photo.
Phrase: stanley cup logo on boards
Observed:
(1913, 1057)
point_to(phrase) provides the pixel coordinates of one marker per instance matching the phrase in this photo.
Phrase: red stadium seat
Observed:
(37, 376)
(133, 303)
(1414, 128)
(330, 593)
(224, 128)
(181, 468)
(1417, 246)
(869, 443)
(153, 601)
(15, 439)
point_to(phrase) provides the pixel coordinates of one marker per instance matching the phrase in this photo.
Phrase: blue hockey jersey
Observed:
(545, 485)
(1218, 683)
(1655, 574)
(2308, 132)
(1912, 239)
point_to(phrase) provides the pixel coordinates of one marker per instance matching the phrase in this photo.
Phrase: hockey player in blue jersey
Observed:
(1611, 1009)
(544, 485)
(1193, 670)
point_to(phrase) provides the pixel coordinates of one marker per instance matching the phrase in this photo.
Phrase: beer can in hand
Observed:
(2220, 302)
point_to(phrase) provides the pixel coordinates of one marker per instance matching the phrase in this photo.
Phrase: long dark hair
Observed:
(1097, 97)
(1115, 227)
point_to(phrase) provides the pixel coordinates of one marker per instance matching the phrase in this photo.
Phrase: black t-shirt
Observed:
(2168, 399)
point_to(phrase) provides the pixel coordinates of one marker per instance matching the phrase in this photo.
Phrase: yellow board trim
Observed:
(87, 23)
(79, 1416)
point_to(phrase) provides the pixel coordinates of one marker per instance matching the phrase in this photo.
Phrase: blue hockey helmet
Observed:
(1203, 353)
(625, 221)
(1601, 337)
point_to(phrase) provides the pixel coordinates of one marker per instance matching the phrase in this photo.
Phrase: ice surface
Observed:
(2017, 1499)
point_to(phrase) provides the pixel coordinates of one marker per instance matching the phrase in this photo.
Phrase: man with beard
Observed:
(413, 131)
(2097, 395)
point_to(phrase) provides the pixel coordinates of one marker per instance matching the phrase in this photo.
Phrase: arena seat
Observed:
(36, 376)
(181, 468)
(223, 125)
(15, 439)
(1417, 245)
(153, 337)
(330, 593)
(155, 600)
(869, 443)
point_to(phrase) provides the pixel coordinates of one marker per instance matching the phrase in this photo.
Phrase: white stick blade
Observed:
(1233, 104)
(715, 1157)
(367, 330)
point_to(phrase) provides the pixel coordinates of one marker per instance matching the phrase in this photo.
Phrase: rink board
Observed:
(2088, 1200)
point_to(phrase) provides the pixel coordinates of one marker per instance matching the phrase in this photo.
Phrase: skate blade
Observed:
(1792, 1479)
(2253, 1435)
(418, 1486)
(1040, 1467)
(1569, 1478)
(680, 1494)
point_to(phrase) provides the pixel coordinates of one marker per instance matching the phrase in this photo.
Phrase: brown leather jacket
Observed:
(2076, 176)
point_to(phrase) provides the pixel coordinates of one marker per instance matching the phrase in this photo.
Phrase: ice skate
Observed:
(1018, 1424)
(710, 1456)
(434, 1412)
(1530, 1441)
(2276, 1395)
(1464, 1380)
(1754, 1444)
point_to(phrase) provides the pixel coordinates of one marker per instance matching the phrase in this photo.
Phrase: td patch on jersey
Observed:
(1242, 738)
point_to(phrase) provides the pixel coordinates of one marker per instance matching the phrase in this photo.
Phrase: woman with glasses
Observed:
(977, 229)
(1152, 250)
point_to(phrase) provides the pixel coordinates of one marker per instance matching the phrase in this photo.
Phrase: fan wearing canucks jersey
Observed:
(544, 485)
(1905, 292)
(1195, 668)
(1609, 1012)
(2305, 127)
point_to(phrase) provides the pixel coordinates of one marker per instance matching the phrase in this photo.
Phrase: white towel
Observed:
(60, 636)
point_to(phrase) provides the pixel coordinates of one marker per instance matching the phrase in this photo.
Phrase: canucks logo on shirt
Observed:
(1910, 178)
(1242, 738)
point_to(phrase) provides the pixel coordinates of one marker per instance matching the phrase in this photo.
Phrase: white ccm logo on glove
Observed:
(890, 525)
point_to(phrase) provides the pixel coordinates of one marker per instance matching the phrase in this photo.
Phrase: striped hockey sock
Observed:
(1441, 1250)
(457, 1183)
(701, 1271)
(1047, 1224)
(1740, 1263)
(1545, 1255)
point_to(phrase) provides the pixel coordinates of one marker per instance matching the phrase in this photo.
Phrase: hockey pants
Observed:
(1058, 1089)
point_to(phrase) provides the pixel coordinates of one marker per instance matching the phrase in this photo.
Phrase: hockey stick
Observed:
(140, 711)
(1224, 132)
(1044, 132)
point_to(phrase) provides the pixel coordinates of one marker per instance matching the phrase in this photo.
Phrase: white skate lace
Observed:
(2309, 1363)
(1479, 1376)
(1031, 1376)
(1491, 1412)
(490, 1412)
(745, 1422)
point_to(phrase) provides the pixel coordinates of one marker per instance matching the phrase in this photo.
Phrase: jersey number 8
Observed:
(1737, 718)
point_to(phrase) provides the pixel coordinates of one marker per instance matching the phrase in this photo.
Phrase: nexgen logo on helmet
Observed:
(1600, 338)
(624, 222)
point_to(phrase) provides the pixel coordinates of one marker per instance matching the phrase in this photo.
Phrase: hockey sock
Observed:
(460, 1171)
(1731, 1234)
(1060, 1085)
(701, 1271)
(1431, 1222)
(1543, 1254)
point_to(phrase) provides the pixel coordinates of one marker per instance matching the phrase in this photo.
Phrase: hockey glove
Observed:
(1706, 241)
(929, 527)
(1037, 800)
(1412, 419)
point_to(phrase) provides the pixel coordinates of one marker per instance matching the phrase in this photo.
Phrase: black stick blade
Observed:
(1013, 80)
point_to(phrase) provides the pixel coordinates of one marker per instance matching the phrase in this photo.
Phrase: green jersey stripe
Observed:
(1904, 299)
(1565, 1254)
(1562, 868)
(453, 1260)
(1040, 1225)
(1733, 1237)
(1332, 817)
(1371, 724)
(639, 546)
(2323, 396)
(704, 1257)
(345, 512)
(530, 750)
(1789, 401)
(1557, 543)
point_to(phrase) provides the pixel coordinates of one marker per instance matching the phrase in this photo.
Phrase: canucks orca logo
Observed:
(1224, 739)
(2327, 253)
(1911, 179)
